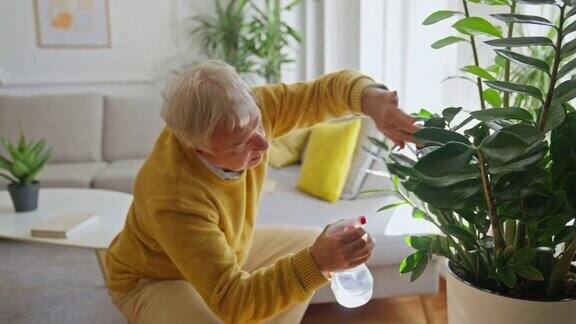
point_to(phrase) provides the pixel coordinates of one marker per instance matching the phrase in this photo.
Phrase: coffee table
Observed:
(111, 207)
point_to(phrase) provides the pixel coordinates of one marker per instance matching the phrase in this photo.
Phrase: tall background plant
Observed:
(249, 35)
(500, 182)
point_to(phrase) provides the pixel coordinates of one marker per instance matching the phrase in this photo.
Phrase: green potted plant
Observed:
(252, 43)
(27, 159)
(224, 36)
(500, 183)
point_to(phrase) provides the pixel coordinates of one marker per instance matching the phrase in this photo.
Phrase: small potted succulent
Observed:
(27, 159)
(499, 182)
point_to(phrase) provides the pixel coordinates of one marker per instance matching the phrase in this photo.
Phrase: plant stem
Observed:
(510, 231)
(553, 78)
(476, 60)
(520, 236)
(558, 276)
(499, 242)
(507, 66)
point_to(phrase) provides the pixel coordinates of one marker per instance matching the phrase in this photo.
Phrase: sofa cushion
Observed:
(69, 175)
(131, 126)
(328, 157)
(289, 206)
(118, 176)
(71, 123)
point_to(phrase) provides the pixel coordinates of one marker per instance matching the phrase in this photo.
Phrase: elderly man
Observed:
(189, 252)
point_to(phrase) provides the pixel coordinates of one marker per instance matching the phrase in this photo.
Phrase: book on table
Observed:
(64, 225)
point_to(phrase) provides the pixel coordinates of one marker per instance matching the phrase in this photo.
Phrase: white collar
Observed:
(224, 175)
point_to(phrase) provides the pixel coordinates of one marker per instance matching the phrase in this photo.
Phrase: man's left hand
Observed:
(382, 106)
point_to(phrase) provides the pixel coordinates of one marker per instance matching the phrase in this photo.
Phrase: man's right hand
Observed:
(342, 251)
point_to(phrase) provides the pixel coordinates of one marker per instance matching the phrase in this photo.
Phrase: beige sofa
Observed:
(101, 142)
(96, 141)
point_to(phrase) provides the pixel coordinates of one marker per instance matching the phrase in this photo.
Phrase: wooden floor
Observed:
(418, 309)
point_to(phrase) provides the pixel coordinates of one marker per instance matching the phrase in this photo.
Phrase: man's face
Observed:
(239, 149)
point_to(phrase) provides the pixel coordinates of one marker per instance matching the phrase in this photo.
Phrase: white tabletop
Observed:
(111, 207)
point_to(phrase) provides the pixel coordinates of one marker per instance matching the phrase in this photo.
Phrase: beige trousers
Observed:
(176, 301)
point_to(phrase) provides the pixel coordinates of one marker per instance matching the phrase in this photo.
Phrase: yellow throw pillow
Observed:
(328, 158)
(286, 150)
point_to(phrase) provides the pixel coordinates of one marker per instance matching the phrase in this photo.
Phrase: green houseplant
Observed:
(500, 183)
(27, 158)
(224, 36)
(269, 35)
(252, 42)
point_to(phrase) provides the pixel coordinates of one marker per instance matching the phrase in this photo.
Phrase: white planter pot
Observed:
(470, 305)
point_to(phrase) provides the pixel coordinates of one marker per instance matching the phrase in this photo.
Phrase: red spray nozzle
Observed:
(362, 220)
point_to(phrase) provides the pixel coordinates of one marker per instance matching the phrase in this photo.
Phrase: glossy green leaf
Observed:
(418, 214)
(467, 173)
(519, 164)
(570, 28)
(545, 203)
(523, 59)
(400, 165)
(393, 205)
(419, 268)
(458, 196)
(565, 235)
(524, 255)
(449, 113)
(425, 113)
(566, 68)
(446, 160)
(447, 41)
(477, 26)
(492, 97)
(522, 19)
(536, 2)
(513, 185)
(515, 88)
(478, 71)
(439, 135)
(420, 243)
(491, 2)
(556, 116)
(529, 272)
(479, 132)
(520, 42)
(571, 13)
(409, 263)
(437, 122)
(510, 142)
(565, 92)
(569, 48)
(461, 234)
(508, 275)
(439, 16)
(502, 113)
(553, 224)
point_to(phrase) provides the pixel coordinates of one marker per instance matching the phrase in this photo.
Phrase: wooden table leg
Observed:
(101, 256)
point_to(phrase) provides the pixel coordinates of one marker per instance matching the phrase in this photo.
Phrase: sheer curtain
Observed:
(382, 38)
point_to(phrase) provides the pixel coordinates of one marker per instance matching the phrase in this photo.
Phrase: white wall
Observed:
(382, 38)
(142, 32)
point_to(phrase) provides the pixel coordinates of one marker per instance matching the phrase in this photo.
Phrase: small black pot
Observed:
(24, 198)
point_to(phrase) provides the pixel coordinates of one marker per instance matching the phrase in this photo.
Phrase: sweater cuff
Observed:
(356, 94)
(307, 270)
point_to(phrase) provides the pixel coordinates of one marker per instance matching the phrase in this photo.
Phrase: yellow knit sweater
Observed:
(187, 223)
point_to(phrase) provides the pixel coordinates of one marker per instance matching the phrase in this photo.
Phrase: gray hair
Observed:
(206, 95)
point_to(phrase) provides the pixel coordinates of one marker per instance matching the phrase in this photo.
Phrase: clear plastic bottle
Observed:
(351, 287)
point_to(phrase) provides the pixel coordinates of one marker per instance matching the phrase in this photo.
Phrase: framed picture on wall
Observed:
(72, 23)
